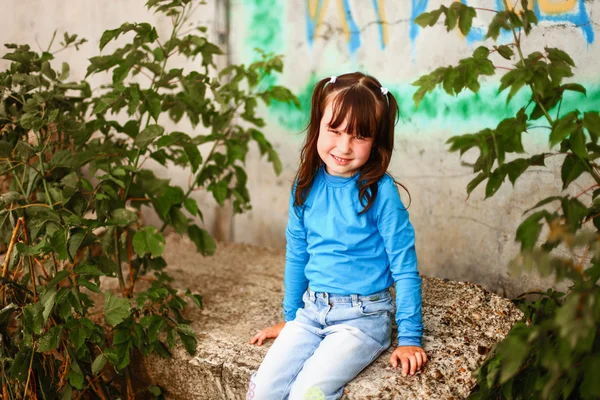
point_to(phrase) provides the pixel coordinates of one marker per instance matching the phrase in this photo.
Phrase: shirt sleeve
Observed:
(296, 258)
(399, 241)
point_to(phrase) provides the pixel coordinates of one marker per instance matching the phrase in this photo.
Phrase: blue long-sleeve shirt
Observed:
(334, 250)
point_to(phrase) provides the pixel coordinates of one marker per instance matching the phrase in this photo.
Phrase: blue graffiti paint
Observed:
(311, 25)
(580, 19)
(354, 31)
(476, 34)
(376, 7)
(418, 7)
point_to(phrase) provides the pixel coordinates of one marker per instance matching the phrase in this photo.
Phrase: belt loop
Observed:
(326, 297)
(311, 295)
(354, 300)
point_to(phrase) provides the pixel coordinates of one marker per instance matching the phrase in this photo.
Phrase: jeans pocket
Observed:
(378, 307)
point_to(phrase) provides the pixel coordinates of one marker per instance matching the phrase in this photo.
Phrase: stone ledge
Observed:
(242, 289)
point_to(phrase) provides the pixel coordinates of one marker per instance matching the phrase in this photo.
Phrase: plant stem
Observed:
(8, 254)
(119, 270)
(43, 175)
(162, 72)
(217, 142)
(518, 45)
(29, 258)
(29, 374)
(486, 9)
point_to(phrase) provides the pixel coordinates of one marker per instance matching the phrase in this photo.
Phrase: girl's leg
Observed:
(296, 343)
(344, 352)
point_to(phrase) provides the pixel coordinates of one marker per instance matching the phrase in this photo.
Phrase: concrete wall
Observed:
(458, 239)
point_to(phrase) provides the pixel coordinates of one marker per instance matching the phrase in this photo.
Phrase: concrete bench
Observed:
(242, 289)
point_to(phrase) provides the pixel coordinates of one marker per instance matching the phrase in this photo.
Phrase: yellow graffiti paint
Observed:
(345, 27)
(318, 13)
(313, 8)
(557, 6)
(383, 21)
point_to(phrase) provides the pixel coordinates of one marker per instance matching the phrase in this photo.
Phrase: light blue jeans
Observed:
(331, 340)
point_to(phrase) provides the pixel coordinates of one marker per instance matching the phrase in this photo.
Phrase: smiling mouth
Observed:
(341, 160)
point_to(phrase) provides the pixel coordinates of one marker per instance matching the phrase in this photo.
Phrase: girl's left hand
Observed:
(412, 358)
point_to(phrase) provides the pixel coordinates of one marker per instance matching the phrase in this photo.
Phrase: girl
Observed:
(348, 240)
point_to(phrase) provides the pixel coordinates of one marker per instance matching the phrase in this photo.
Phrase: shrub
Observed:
(554, 352)
(75, 161)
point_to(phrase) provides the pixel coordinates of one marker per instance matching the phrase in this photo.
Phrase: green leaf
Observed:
(577, 142)
(99, 364)
(191, 205)
(196, 298)
(555, 55)
(481, 52)
(59, 277)
(149, 240)
(505, 51)
(188, 338)
(77, 336)
(75, 376)
(122, 217)
(563, 127)
(152, 102)
(51, 339)
(494, 182)
(193, 155)
(109, 35)
(465, 19)
(529, 230)
(274, 159)
(67, 393)
(515, 351)
(202, 239)
(64, 74)
(591, 122)
(430, 18)
(20, 366)
(33, 319)
(219, 191)
(500, 21)
(571, 169)
(575, 87)
(148, 135)
(115, 309)
(475, 182)
(48, 299)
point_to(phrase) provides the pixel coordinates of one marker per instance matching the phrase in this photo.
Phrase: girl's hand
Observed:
(267, 333)
(412, 358)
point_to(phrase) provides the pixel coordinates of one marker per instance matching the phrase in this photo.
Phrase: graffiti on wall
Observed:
(316, 10)
(468, 111)
(571, 12)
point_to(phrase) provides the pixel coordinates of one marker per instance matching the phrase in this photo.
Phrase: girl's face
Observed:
(342, 153)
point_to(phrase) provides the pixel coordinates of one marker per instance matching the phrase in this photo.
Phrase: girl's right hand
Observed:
(268, 333)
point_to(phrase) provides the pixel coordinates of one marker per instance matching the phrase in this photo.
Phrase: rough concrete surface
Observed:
(242, 289)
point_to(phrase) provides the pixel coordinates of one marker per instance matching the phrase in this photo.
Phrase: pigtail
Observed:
(309, 157)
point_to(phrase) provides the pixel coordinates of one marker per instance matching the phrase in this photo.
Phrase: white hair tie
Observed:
(333, 79)
(384, 91)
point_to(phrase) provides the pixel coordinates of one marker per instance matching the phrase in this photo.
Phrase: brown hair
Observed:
(359, 101)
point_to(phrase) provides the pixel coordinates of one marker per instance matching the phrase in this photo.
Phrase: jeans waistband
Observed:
(352, 298)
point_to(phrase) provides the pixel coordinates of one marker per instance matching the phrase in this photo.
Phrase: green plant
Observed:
(555, 351)
(75, 159)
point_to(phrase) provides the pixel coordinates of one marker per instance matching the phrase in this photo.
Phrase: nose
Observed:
(343, 144)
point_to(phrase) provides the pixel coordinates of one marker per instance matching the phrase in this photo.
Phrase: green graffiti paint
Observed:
(467, 112)
(264, 26)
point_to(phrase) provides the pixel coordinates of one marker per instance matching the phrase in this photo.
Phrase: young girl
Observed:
(348, 240)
